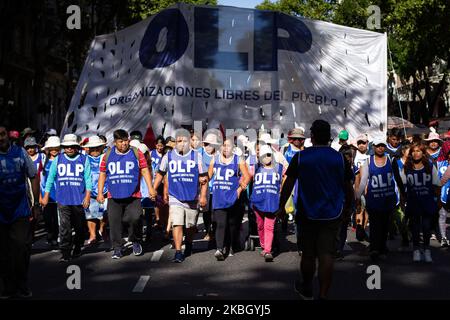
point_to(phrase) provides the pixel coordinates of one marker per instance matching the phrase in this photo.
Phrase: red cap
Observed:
(14, 134)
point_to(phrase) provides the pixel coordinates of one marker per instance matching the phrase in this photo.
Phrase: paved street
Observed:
(242, 276)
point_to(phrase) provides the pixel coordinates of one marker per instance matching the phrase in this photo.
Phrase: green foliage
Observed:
(313, 9)
(141, 9)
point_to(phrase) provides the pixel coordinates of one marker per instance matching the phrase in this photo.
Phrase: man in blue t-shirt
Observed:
(16, 168)
(324, 194)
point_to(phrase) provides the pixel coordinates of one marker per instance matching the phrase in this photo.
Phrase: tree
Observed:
(418, 34)
(313, 9)
(141, 9)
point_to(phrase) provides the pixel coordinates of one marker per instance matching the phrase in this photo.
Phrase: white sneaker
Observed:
(433, 237)
(428, 256)
(444, 242)
(417, 256)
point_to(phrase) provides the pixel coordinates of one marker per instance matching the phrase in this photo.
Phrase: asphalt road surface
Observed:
(245, 275)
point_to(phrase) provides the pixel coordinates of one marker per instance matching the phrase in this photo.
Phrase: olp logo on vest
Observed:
(116, 167)
(167, 37)
(263, 178)
(66, 170)
(178, 166)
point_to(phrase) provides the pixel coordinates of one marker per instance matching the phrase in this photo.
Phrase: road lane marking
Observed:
(140, 285)
(157, 256)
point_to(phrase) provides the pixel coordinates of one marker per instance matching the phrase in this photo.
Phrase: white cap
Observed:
(143, 148)
(94, 141)
(379, 140)
(265, 149)
(135, 143)
(308, 143)
(70, 140)
(52, 142)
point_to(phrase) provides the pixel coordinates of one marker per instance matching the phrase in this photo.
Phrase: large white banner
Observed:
(241, 68)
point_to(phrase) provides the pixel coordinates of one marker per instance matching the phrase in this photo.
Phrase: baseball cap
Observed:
(30, 142)
(343, 135)
(379, 140)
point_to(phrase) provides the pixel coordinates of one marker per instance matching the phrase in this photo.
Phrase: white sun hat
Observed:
(70, 140)
(94, 141)
(52, 142)
(212, 139)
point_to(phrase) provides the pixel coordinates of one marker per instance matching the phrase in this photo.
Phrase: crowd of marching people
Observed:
(381, 187)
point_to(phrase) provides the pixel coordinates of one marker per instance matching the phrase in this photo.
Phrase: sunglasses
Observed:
(361, 142)
(71, 147)
(298, 139)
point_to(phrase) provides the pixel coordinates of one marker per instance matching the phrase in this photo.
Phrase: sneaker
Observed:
(268, 257)
(219, 255)
(433, 237)
(117, 254)
(137, 249)
(6, 295)
(305, 294)
(179, 257)
(444, 242)
(187, 249)
(427, 255)
(417, 256)
(24, 293)
(65, 257)
(76, 252)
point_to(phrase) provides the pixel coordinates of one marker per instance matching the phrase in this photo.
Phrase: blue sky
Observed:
(240, 3)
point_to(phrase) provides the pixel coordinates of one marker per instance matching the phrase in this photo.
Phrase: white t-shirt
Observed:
(360, 159)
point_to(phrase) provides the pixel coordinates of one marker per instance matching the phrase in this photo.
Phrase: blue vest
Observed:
(266, 188)
(420, 192)
(183, 175)
(226, 183)
(381, 191)
(290, 153)
(13, 193)
(400, 164)
(320, 183)
(156, 159)
(39, 161)
(434, 156)
(70, 184)
(95, 173)
(44, 174)
(122, 174)
(442, 167)
(206, 160)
